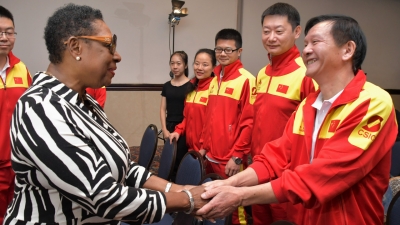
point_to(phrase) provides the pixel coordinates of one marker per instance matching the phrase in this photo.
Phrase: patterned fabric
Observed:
(71, 165)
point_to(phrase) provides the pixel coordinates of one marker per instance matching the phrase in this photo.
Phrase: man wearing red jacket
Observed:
(229, 117)
(281, 86)
(15, 79)
(332, 163)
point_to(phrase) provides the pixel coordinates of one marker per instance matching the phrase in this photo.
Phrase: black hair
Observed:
(69, 20)
(344, 29)
(6, 14)
(283, 9)
(211, 53)
(184, 57)
(229, 34)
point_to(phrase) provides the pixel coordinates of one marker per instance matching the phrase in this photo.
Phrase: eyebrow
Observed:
(9, 28)
(279, 26)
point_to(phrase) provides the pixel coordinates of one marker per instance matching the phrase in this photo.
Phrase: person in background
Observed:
(196, 100)
(15, 79)
(281, 86)
(99, 94)
(332, 163)
(226, 135)
(71, 165)
(172, 102)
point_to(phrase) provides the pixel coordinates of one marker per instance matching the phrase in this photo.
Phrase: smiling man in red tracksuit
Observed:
(15, 79)
(281, 86)
(229, 117)
(332, 163)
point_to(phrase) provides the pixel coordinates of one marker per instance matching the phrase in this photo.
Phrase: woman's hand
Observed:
(199, 202)
(172, 136)
(166, 133)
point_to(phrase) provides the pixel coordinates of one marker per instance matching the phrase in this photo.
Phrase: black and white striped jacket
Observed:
(71, 165)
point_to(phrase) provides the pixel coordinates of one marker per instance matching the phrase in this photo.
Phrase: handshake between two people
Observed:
(214, 200)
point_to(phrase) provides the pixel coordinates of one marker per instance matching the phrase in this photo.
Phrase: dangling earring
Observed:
(78, 58)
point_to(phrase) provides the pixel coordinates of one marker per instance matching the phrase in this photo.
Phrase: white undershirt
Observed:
(3, 71)
(221, 75)
(322, 109)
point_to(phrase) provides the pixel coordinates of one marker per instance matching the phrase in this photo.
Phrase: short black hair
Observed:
(229, 34)
(184, 58)
(283, 9)
(6, 14)
(69, 20)
(344, 29)
(210, 52)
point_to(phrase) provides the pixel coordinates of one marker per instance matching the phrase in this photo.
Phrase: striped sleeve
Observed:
(53, 153)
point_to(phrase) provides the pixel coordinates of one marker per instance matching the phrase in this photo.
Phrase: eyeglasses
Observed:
(226, 50)
(8, 34)
(111, 42)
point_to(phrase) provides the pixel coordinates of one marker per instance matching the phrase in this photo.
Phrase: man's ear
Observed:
(348, 50)
(239, 51)
(297, 31)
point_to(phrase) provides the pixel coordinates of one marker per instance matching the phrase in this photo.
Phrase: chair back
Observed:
(228, 219)
(191, 169)
(393, 215)
(148, 146)
(395, 167)
(167, 160)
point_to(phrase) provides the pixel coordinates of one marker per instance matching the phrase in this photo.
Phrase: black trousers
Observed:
(182, 149)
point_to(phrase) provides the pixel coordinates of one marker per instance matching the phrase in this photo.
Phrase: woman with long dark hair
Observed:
(196, 100)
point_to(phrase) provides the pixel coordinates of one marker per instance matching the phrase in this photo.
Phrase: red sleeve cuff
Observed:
(277, 188)
(179, 131)
(238, 154)
(261, 171)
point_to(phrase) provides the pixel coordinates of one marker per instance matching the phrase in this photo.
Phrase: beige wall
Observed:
(378, 19)
(130, 112)
(396, 101)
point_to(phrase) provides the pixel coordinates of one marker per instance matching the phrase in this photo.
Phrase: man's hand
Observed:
(216, 183)
(172, 136)
(231, 168)
(225, 200)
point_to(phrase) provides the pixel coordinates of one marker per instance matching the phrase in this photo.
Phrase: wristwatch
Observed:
(237, 160)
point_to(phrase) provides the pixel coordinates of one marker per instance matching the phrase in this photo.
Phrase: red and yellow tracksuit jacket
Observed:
(229, 115)
(281, 86)
(349, 173)
(194, 114)
(18, 79)
(99, 94)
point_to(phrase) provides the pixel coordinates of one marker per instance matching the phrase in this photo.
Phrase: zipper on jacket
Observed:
(4, 83)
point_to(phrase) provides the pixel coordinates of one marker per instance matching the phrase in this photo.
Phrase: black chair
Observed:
(167, 160)
(148, 146)
(228, 219)
(190, 172)
(191, 169)
(393, 215)
(395, 167)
